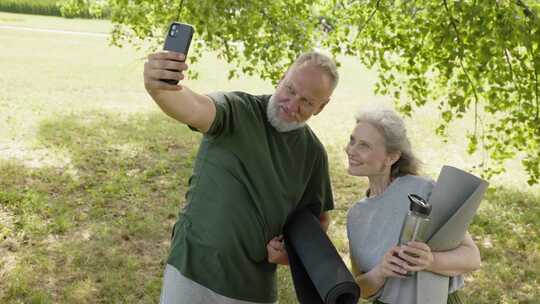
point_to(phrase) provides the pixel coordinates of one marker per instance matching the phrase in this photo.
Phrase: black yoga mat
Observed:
(319, 275)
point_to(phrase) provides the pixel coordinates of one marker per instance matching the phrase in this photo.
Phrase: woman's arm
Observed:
(373, 280)
(465, 258)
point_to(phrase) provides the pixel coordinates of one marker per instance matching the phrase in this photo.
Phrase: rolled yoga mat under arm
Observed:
(319, 274)
(455, 199)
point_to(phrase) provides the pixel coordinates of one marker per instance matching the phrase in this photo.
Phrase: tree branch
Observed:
(179, 10)
(270, 20)
(369, 18)
(530, 13)
(537, 118)
(509, 63)
(514, 76)
(460, 42)
(526, 9)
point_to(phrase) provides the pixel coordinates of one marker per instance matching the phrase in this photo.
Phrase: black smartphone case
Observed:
(178, 40)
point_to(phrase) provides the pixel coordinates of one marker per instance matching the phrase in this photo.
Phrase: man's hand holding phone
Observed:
(161, 65)
(164, 70)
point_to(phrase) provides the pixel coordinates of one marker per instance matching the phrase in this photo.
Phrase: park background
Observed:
(93, 175)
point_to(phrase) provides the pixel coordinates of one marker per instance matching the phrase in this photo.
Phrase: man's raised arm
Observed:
(177, 101)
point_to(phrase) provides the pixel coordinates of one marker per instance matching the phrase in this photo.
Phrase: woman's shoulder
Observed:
(361, 206)
(414, 180)
(404, 184)
(415, 184)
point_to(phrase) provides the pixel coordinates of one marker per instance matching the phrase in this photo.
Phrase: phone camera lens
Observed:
(172, 33)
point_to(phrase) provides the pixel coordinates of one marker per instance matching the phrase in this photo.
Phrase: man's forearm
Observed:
(186, 106)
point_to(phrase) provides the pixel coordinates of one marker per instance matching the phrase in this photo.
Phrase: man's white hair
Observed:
(323, 62)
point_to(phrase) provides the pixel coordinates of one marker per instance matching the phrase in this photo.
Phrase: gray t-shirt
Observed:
(373, 227)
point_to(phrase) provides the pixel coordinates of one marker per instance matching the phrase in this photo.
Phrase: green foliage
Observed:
(84, 8)
(479, 56)
(65, 8)
(249, 34)
(38, 7)
(466, 56)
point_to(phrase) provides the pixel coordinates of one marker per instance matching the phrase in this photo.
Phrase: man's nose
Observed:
(293, 106)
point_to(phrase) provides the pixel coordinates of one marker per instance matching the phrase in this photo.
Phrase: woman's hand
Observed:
(391, 265)
(276, 251)
(462, 259)
(418, 256)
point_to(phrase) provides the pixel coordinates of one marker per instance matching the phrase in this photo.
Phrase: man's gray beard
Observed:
(278, 123)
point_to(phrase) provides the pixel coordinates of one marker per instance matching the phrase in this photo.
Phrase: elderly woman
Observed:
(380, 150)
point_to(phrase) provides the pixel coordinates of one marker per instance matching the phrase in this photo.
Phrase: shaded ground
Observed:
(97, 228)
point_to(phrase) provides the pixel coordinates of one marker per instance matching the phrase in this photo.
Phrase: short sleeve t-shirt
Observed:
(373, 227)
(247, 179)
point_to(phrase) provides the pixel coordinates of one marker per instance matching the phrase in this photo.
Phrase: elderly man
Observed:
(257, 163)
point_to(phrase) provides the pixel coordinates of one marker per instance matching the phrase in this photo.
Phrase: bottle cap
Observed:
(419, 205)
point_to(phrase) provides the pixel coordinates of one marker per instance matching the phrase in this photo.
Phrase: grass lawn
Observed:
(92, 174)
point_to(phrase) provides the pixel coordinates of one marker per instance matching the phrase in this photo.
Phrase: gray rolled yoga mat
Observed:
(318, 272)
(455, 199)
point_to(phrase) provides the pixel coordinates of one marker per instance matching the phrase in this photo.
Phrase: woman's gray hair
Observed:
(392, 129)
(323, 62)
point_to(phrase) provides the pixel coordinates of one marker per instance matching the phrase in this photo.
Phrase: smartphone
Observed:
(178, 40)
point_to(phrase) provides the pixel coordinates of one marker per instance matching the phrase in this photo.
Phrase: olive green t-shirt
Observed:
(247, 179)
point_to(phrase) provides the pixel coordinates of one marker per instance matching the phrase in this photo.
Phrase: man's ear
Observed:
(321, 107)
